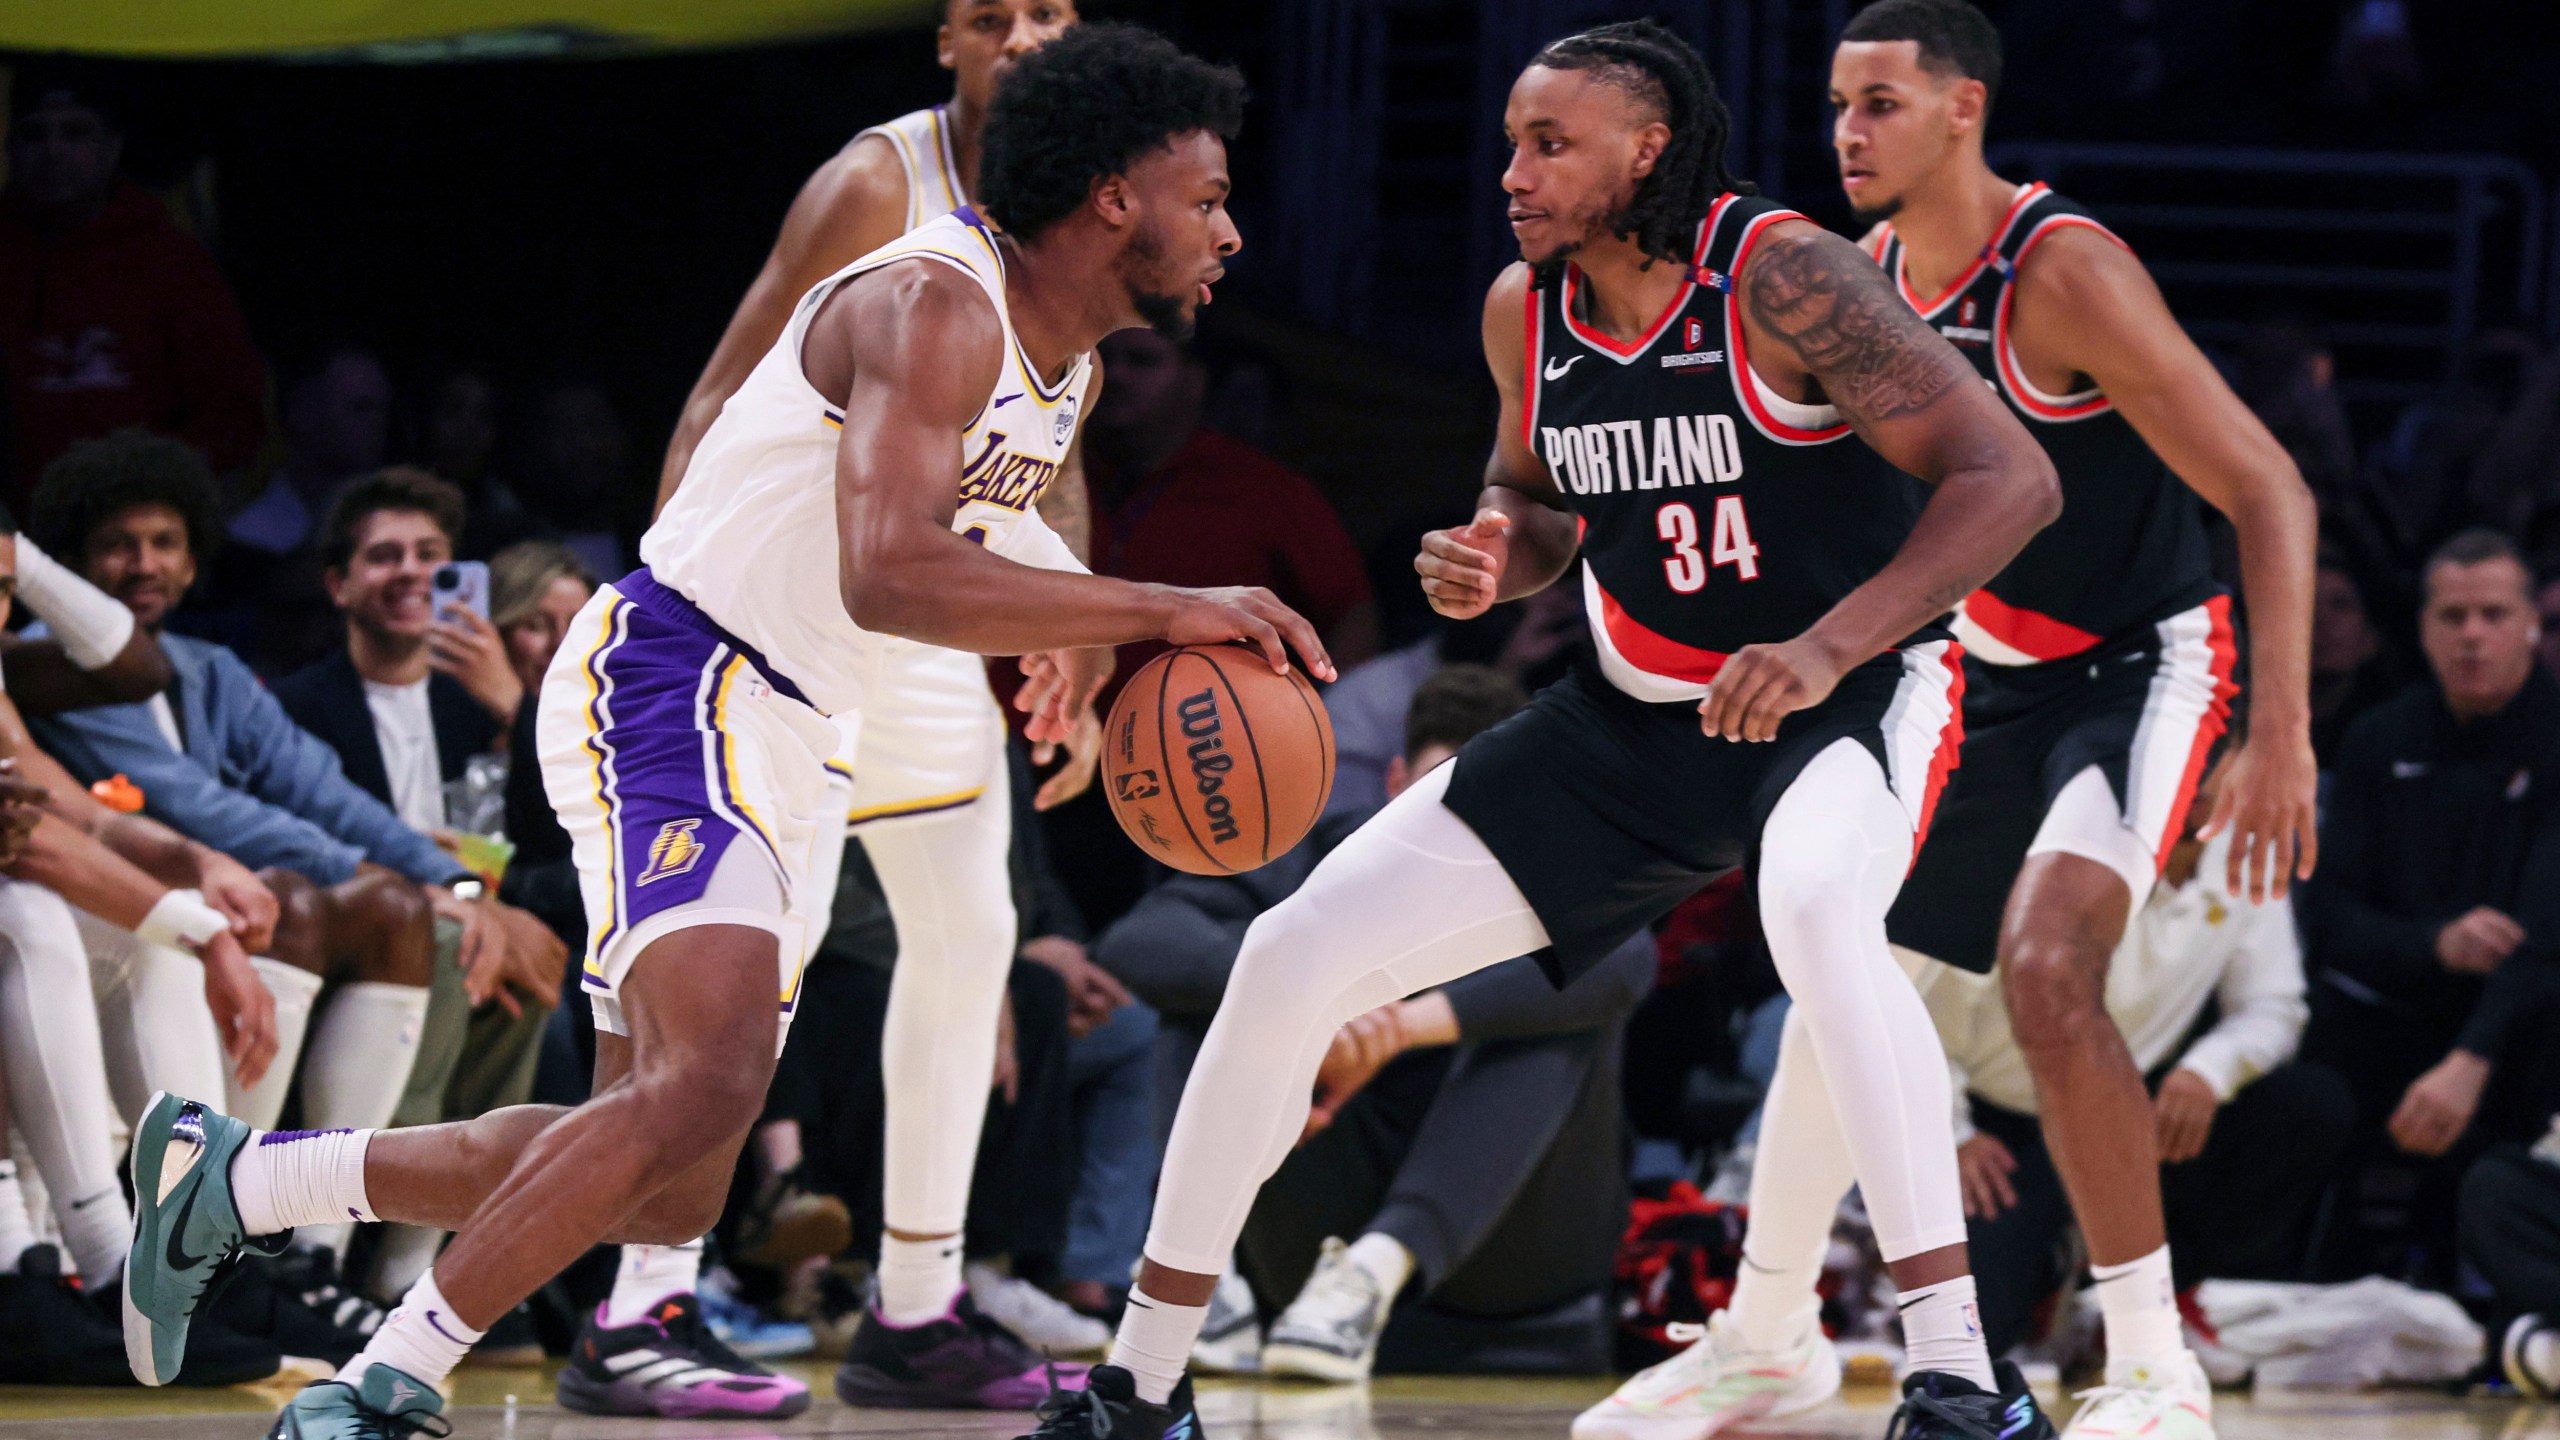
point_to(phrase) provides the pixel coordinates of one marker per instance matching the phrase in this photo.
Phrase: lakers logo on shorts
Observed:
(673, 852)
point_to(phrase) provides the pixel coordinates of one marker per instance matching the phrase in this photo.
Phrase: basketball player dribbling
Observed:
(874, 477)
(2098, 678)
(932, 803)
(1712, 402)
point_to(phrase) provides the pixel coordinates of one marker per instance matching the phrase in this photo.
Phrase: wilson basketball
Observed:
(1214, 764)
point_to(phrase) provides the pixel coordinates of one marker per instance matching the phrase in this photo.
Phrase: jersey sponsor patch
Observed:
(1693, 359)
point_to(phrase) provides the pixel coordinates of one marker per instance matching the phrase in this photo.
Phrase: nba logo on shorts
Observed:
(674, 851)
(1695, 334)
(1066, 419)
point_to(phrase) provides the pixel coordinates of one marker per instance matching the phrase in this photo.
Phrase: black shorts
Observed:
(2143, 711)
(1607, 810)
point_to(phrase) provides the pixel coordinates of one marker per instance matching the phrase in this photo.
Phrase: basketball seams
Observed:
(1306, 693)
(1244, 722)
(1164, 757)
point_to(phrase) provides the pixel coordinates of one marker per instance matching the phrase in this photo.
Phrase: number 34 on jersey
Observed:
(1684, 450)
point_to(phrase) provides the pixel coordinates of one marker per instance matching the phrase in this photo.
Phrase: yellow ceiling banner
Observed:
(424, 31)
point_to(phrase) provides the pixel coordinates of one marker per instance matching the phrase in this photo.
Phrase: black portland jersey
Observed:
(1715, 512)
(2130, 547)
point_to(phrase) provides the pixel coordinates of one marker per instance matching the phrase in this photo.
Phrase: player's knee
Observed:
(301, 937)
(396, 924)
(1804, 916)
(2056, 990)
(691, 1108)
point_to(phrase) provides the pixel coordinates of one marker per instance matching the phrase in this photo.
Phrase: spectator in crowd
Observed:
(578, 485)
(216, 759)
(2247, 1139)
(264, 594)
(110, 315)
(149, 985)
(1179, 503)
(1468, 1137)
(461, 443)
(2546, 606)
(415, 692)
(535, 589)
(2351, 671)
(2433, 919)
(337, 426)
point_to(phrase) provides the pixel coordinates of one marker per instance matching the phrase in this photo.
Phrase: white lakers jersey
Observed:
(922, 140)
(750, 538)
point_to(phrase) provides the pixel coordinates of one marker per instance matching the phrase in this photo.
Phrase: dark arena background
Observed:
(497, 240)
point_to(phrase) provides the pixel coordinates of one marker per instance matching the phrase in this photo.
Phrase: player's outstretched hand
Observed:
(2272, 798)
(1461, 569)
(1762, 685)
(1253, 615)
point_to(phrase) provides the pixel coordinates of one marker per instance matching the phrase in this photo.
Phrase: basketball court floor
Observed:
(1395, 1409)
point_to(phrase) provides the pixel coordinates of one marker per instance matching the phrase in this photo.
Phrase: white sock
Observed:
(285, 1178)
(1155, 1343)
(17, 1232)
(421, 1340)
(1942, 1331)
(362, 1049)
(649, 1274)
(1386, 1260)
(1772, 1310)
(97, 1230)
(919, 1279)
(294, 990)
(2140, 1301)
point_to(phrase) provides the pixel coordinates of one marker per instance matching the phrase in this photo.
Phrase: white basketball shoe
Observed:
(1712, 1385)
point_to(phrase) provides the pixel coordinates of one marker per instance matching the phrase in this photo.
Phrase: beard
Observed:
(1878, 213)
(1168, 314)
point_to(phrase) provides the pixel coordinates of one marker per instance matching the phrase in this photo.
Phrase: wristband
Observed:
(92, 625)
(182, 921)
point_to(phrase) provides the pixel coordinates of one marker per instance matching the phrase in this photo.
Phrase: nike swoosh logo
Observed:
(1003, 401)
(1555, 370)
(177, 1255)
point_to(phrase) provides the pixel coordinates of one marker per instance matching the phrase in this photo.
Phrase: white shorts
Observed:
(691, 785)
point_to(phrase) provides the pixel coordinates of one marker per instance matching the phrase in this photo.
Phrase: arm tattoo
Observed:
(1833, 307)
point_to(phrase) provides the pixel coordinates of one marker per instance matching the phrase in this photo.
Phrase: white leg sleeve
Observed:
(362, 1050)
(1412, 900)
(952, 897)
(49, 1042)
(294, 990)
(159, 1034)
(1832, 858)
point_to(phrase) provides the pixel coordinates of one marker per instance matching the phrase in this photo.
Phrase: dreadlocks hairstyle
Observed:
(1954, 37)
(1662, 72)
(1087, 105)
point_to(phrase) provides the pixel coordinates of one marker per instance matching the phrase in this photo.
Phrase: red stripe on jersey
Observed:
(1883, 239)
(1950, 747)
(2012, 377)
(1999, 236)
(2040, 637)
(1652, 652)
(2217, 718)
(1529, 377)
(1744, 377)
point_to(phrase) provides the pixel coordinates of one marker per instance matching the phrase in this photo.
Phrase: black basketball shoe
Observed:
(1108, 1408)
(1940, 1406)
